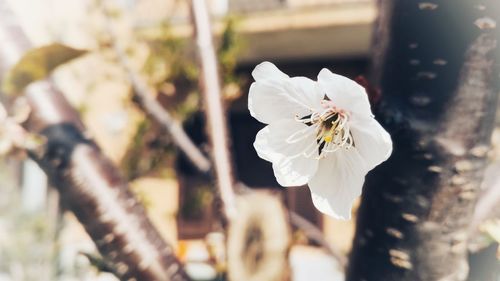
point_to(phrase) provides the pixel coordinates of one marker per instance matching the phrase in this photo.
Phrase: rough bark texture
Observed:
(90, 186)
(436, 64)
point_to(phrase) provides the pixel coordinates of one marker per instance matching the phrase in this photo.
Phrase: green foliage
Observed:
(173, 71)
(230, 47)
(100, 263)
(37, 64)
(196, 202)
(171, 61)
(149, 153)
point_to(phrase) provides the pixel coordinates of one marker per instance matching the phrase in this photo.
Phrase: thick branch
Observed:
(89, 184)
(439, 92)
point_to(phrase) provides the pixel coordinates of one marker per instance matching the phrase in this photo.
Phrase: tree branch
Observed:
(218, 130)
(90, 186)
(145, 99)
(210, 85)
(438, 79)
(310, 230)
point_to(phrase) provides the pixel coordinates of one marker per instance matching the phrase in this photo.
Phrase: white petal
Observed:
(337, 183)
(306, 92)
(372, 141)
(294, 171)
(290, 166)
(266, 71)
(272, 100)
(345, 93)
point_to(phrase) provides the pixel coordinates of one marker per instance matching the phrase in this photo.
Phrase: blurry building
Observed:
(285, 30)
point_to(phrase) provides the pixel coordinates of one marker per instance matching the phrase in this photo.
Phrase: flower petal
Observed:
(338, 181)
(267, 70)
(271, 100)
(294, 171)
(372, 141)
(345, 93)
(306, 92)
(290, 166)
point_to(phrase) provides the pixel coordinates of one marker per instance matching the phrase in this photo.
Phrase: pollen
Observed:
(331, 128)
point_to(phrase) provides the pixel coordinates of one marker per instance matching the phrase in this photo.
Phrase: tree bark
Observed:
(435, 65)
(89, 185)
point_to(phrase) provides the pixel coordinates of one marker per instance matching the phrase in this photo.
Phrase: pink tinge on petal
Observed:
(329, 143)
(345, 93)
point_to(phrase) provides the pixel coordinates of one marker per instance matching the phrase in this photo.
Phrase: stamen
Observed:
(332, 131)
(298, 136)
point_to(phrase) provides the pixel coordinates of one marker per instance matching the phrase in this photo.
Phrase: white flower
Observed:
(319, 133)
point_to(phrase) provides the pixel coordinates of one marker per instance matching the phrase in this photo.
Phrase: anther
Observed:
(331, 130)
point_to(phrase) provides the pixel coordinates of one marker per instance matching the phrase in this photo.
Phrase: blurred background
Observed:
(40, 241)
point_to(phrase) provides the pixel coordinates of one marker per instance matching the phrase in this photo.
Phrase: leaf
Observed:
(100, 263)
(37, 64)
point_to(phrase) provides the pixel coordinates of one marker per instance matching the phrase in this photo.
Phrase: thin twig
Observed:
(214, 110)
(145, 99)
(311, 231)
(314, 234)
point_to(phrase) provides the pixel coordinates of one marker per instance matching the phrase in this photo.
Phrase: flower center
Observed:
(331, 129)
